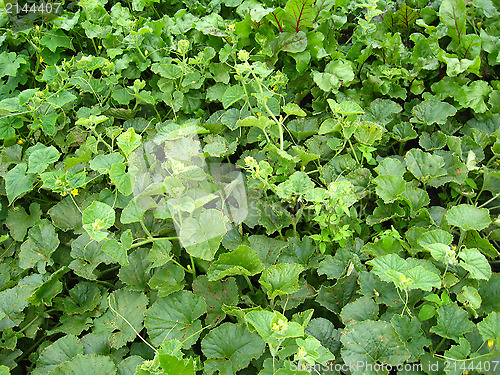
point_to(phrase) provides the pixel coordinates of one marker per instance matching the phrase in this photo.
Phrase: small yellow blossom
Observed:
(259, 114)
(232, 27)
(491, 343)
(249, 160)
(41, 59)
(275, 88)
(20, 141)
(37, 28)
(63, 194)
(74, 192)
(479, 24)
(237, 71)
(99, 47)
(146, 52)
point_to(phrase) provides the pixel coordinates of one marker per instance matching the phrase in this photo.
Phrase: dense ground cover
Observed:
(359, 230)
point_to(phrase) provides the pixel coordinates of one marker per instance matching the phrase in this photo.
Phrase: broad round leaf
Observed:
(467, 217)
(176, 317)
(230, 347)
(372, 342)
(242, 261)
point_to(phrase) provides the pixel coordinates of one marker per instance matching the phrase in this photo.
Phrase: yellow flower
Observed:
(99, 47)
(74, 192)
(275, 88)
(479, 24)
(232, 27)
(20, 141)
(63, 194)
(146, 52)
(37, 28)
(41, 59)
(491, 343)
(259, 114)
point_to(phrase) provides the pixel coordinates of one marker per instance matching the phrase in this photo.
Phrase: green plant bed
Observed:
(250, 187)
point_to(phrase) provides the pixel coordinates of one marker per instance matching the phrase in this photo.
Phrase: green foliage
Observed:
(360, 225)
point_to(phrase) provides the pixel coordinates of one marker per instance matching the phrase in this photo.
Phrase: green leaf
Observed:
(345, 108)
(452, 322)
(40, 159)
(372, 342)
(172, 365)
(97, 217)
(168, 280)
(267, 248)
(8, 126)
(430, 112)
(49, 289)
(10, 63)
(467, 217)
(201, 236)
(489, 328)
(87, 255)
(176, 317)
(476, 263)
(128, 141)
(273, 327)
(335, 297)
(17, 182)
(411, 334)
(232, 95)
(452, 14)
(116, 251)
(18, 221)
(160, 253)
(41, 243)
(293, 109)
(281, 279)
(56, 38)
(435, 236)
(382, 111)
(298, 183)
(132, 307)
(406, 276)
(121, 178)
(230, 348)
(470, 297)
(368, 133)
(423, 165)
(60, 98)
(363, 308)
(14, 300)
(86, 364)
(170, 71)
(260, 122)
(60, 351)
(242, 261)
(216, 294)
(389, 188)
(102, 163)
(136, 274)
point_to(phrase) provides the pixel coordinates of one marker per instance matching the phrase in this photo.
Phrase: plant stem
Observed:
(152, 239)
(193, 267)
(439, 345)
(249, 284)
(145, 229)
(490, 200)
